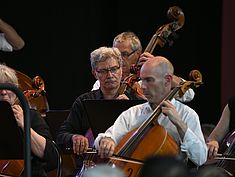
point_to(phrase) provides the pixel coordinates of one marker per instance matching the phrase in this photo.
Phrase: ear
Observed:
(168, 80)
(139, 52)
(94, 73)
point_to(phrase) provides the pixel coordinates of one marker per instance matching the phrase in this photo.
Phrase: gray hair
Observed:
(103, 53)
(103, 170)
(8, 75)
(129, 36)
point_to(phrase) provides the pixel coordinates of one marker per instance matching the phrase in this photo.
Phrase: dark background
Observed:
(60, 37)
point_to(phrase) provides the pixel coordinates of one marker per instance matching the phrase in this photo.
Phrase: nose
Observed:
(3, 92)
(109, 73)
(143, 85)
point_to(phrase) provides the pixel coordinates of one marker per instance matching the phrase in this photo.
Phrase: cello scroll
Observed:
(195, 77)
(38, 88)
(34, 91)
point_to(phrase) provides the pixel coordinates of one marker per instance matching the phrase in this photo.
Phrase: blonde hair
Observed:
(8, 75)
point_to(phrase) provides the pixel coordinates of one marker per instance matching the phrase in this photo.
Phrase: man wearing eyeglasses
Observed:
(131, 50)
(106, 64)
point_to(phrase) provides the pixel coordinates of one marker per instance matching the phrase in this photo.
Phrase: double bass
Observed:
(160, 38)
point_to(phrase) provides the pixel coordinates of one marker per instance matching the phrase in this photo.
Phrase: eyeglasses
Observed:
(126, 54)
(105, 71)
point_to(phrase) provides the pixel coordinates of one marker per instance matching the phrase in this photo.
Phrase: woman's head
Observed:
(8, 75)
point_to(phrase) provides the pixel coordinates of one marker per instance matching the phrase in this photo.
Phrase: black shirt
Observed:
(49, 162)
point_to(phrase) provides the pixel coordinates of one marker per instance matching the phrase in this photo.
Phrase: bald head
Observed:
(159, 65)
(156, 75)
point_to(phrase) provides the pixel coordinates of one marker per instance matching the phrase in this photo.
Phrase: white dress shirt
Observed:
(193, 143)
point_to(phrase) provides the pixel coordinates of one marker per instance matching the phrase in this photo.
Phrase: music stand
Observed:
(103, 113)
(54, 119)
(10, 136)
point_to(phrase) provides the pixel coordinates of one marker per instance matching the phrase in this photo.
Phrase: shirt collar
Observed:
(147, 108)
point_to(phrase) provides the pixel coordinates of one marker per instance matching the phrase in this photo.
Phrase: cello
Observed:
(34, 91)
(132, 145)
(227, 162)
(161, 38)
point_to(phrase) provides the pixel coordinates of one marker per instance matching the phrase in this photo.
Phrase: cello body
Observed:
(159, 144)
(12, 167)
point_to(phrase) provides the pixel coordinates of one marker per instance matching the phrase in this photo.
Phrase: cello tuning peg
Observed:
(170, 42)
(174, 35)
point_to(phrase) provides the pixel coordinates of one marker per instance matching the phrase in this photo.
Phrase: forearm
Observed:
(181, 128)
(219, 132)
(11, 35)
(195, 147)
(217, 135)
(38, 144)
(222, 128)
(64, 135)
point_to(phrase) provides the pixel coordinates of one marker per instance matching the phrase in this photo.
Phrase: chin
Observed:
(148, 97)
(110, 86)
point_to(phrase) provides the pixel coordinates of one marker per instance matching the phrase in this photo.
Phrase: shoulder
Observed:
(184, 109)
(138, 109)
(36, 119)
(34, 113)
(96, 85)
(94, 94)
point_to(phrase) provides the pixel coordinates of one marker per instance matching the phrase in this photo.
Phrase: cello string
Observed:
(116, 157)
(224, 158)
(5, 166)
(125, 160)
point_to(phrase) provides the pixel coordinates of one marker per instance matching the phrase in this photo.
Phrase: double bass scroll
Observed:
(161, 37)
(163, 33)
